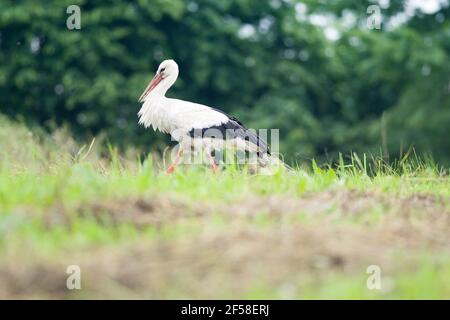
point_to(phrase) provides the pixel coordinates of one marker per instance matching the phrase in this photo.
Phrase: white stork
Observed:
(185, 121)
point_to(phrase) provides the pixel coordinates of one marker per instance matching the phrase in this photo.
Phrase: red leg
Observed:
(212, 163)
(171, 169)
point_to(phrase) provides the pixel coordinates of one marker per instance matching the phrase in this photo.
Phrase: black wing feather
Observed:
(231, 130)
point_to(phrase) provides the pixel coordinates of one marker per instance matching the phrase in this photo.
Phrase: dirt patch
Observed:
(306, 237)
(140, 212)
(414, 221)
(40, 280)
(220, 264)
(329, 205)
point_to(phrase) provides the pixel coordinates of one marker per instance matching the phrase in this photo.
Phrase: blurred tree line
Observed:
(313, 69)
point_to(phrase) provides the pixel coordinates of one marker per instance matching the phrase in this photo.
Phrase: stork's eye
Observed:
(162, 70)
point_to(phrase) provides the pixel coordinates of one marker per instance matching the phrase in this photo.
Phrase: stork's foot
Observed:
(171, 169)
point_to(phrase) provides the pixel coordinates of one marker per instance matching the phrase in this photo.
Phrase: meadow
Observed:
(136, 232)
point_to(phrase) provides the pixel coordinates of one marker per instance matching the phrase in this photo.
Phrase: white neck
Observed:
(153, 110)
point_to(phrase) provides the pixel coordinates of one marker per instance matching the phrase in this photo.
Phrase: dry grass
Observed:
(282, 242)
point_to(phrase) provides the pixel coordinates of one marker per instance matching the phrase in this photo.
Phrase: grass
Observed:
(137, 233)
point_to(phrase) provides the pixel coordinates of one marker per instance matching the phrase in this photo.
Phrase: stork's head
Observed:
(165, 76)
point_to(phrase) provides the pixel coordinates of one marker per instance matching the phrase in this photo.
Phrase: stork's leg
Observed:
(175, 162)
(212, 162)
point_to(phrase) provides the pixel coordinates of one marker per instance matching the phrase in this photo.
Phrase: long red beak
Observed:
(156, 79)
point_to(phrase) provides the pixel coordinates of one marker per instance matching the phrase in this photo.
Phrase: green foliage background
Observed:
(263, 61)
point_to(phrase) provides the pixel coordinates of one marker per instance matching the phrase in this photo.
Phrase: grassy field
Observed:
(137, 233)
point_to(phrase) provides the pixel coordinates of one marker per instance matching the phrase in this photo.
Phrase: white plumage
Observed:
(186, 121)
(168, 114)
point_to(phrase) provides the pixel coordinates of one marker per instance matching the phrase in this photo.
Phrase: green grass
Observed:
(139, 233)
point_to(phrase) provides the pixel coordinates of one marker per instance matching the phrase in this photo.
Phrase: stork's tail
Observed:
(269, 164)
